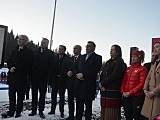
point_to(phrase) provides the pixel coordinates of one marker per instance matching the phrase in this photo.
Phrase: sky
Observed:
(128, 23)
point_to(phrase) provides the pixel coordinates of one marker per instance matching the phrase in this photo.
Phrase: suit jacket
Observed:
(61, 71)
(22, 61)
(43, 66)
(86, 89)
(72, 66)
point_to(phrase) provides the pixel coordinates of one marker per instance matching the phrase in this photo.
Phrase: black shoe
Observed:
(51, 112)
(32, 113)
(41, 115)
(18, 115)
(70, 118)
(62, 115)
(7, 114)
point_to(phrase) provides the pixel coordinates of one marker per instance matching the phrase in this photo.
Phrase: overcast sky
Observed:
(127, 23)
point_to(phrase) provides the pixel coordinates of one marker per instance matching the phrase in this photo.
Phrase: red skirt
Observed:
(111, 102)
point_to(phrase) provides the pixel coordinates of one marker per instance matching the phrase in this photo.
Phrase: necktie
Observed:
(20, 48)
(75, 58)
(87, 56)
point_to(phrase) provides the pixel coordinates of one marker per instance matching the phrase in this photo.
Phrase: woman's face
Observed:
(135, 59)
(113, 52)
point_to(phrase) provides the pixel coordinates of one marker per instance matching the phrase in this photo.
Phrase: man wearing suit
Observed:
(42, 72)
(71, 76)
(19, 64)
(58, 84)
(88, 65)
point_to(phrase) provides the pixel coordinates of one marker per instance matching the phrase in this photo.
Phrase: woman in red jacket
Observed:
(132, 87)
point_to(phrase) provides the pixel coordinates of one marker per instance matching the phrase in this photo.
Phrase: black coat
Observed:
(86, 89)
(111, 77)
(72, 66)
(61, 70)
(43, 66)
(22, 61)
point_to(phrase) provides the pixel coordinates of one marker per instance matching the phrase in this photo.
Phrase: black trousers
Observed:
(80, 108)
(20, 90)
(55, 91)
(71, 102)
(42, 88)
(132, 107)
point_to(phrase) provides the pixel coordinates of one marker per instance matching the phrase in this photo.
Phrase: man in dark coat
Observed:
(71, 76)
(19, 64)
(58, 84)
(42, 72)
(89, 65)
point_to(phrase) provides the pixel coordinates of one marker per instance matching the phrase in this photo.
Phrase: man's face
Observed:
(61, 50)
(44, 44)
(22, 41)
(157, 49)
(76, 50)
(89, 48)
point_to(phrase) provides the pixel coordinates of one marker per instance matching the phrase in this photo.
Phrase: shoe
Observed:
(41, 115)
(18, 115)
(32, 113)
(51, 112)
(62, 115)
(69, 118)
(7, 114)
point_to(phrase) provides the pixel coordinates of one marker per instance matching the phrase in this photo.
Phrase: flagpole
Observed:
(51, 41)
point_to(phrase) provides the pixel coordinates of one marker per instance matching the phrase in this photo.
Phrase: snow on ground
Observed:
(4, 104)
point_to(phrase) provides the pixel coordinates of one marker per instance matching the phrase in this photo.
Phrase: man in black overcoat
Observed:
(88, 65)
(19, 64)
(58, 84)
(42, 73)
(71, 76)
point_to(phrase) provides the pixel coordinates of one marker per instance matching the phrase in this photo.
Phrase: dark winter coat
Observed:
(86, 89)
(43, 66)
(22, 61)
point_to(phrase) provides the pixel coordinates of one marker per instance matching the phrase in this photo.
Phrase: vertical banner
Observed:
(154, 40)
(3, 39)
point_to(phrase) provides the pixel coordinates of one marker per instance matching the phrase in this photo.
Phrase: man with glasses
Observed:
(85, 84)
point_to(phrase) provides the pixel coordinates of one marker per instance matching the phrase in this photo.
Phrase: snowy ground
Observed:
(27, 108)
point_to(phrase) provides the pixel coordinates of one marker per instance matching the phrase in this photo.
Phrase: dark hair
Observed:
(92, 43)
(142, 55)
(118, 50)
(63, 47)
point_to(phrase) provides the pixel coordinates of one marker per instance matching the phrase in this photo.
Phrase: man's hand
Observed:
(101, 87)
(69, 73)
(79, 76)
(12, 69)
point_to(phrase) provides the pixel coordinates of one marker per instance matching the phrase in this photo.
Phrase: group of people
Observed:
(136, 88)
(42, 67)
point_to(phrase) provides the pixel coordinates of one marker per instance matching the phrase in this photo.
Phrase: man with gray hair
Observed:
(19, 64)
(42, 73)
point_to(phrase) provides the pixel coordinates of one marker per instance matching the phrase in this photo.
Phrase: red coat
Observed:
(134, 79)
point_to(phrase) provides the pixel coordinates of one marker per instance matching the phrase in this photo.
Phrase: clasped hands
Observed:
(149, 94)
(12, 69)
